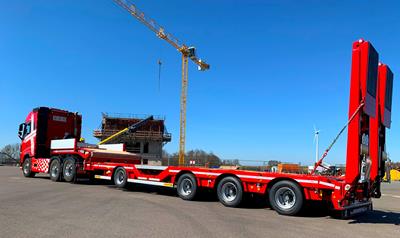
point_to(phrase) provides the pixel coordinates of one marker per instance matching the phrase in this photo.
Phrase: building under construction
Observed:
(147, 140)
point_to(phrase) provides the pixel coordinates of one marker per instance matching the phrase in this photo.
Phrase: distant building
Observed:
(147, 141)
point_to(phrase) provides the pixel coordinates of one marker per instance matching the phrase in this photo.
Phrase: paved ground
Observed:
(39, 207)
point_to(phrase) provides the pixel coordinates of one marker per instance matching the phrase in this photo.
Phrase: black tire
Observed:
(286, 198)
(120, 178)
(69, 170)
(187, 187)
(230, 191)
(55, 170)
(27, 168)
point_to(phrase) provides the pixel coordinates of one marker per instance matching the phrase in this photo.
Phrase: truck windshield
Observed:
(27, 129)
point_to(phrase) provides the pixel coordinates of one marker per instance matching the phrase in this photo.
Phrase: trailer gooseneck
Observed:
(50, 144)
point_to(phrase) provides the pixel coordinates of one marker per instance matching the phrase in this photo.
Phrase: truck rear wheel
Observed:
(286, 198)
(187, 186)
(120, 178)
(69, 170)
(230, 191)
(55, 170)
(27, 168)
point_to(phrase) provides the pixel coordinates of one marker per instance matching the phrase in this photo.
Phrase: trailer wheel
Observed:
(230, 191)
(69, 170)
(27, 168)
(286, 198)
(120, 178)
(55, 170)
(187, 186)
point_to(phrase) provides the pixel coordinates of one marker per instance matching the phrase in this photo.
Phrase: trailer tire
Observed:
(55, 170)
(286, 198)
(27, 168)
(69, 170)
(230, 191)
(120, 178)
(187, 187)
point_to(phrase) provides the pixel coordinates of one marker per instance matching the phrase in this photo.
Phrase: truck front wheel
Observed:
(69, 170)
(27, 168)
(55, 170)
(286, 198)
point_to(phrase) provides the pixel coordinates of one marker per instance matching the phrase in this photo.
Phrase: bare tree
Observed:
(9, 154)
(200, 157)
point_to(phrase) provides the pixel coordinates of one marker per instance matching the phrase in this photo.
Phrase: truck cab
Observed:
(42, 125)
(50, 143)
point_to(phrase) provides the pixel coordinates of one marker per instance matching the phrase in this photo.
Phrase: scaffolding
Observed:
(147, 141)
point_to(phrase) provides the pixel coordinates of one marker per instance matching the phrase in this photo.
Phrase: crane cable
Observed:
(337, 137)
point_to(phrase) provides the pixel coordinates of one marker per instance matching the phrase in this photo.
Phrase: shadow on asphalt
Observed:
(377, 217)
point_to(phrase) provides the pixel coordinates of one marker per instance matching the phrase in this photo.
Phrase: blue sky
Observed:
(277, 68)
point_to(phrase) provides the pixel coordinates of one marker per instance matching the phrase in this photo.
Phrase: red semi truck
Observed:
(50, 144)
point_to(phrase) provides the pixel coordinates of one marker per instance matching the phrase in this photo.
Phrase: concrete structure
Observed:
(148, 141)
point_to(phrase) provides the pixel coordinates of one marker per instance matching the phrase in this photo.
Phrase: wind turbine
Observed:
(316, 141)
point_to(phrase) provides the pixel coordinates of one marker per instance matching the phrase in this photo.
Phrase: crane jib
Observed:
(187, 53)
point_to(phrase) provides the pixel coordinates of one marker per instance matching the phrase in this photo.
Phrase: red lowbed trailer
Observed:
(50, 144)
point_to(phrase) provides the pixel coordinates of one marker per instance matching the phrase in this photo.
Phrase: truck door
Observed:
(27, 134)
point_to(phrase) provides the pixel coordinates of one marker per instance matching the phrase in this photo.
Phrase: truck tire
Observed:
(55, 170)
(120, 178)
(69, 170)
(27, 168)
(230, 191)
(187, 186)
(286, 198)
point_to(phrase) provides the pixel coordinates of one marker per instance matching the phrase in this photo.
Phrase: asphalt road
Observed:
(38, 207)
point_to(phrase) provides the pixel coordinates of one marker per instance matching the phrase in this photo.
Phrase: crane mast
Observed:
(187, 53)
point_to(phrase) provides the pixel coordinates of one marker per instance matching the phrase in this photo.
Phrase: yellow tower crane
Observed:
(187, 53)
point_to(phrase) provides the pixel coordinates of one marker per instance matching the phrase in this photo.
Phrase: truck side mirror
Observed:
(21, 131)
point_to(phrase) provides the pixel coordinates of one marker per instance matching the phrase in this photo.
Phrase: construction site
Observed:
(148, 141)
(241, 161)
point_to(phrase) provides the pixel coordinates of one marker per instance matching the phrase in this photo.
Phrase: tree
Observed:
(9, 154)
(200, 157)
